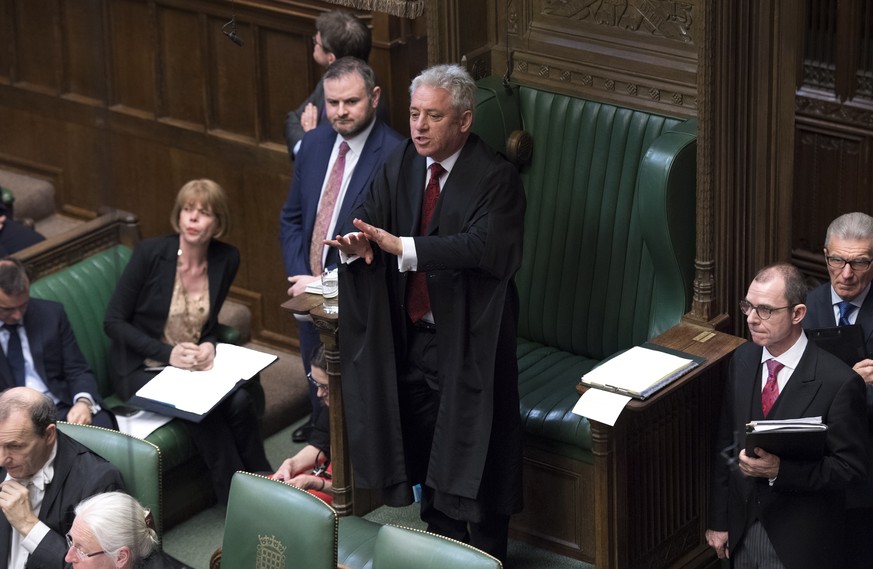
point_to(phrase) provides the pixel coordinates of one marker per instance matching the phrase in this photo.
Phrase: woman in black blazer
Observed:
(164, 311)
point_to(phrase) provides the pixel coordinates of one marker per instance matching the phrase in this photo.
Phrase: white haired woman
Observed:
(112, 531)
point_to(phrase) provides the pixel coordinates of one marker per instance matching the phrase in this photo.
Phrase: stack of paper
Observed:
(181, 392)
(640, 371)
(795, 439)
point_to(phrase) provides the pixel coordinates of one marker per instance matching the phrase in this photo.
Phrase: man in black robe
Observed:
(429, 368)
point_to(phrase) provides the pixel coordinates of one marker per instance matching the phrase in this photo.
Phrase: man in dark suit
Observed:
(429, 318)
(13, 235)
(773, 511)
(339, 34)
(355, 139)
(45, 474)
(40, 351)
(846, 301)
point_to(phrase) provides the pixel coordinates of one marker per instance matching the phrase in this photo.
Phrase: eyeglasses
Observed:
(764, 312)
(317, 385)
(79, 553)
(857, 264)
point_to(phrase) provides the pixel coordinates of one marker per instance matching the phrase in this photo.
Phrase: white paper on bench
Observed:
(142, 423)
(199, 391)
(601, 406)
(637, 370)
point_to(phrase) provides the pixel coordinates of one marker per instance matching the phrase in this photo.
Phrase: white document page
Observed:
(142, 423)
(600, 405)
(199, 391)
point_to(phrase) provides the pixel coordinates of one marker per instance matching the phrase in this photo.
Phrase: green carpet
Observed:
(195, 540)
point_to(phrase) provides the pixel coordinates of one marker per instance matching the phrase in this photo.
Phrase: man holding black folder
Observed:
(841, 311)
(774, 511)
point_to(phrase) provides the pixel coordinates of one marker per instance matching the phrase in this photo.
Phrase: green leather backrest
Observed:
(609, 228)
(401, 548)
(271, 524)
(85, 289)
(138, 461)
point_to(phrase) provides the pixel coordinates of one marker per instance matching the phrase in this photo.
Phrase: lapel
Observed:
(62, 465)
(363, 172)
(36, 342)
(410, 193)
(865, 319)
(801, 388)
(747, 378)
(457, 188)
(6, 382)
(5, 531)
(168, 262)
(215, 276)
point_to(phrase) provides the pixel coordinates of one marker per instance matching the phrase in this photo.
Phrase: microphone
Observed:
(231, 33)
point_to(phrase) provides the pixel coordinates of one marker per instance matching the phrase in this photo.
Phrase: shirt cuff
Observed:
(348, 259)
(35, 537)
(94, 407)
(408, 259)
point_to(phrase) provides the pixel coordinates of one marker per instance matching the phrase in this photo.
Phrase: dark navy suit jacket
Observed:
(310, 169)
(56, 355)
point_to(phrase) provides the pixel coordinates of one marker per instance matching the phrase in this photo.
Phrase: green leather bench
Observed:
(81, 271)
(608, 264)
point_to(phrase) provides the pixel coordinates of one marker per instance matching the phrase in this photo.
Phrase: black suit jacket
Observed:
(56, 355)
(293, 131)
(471, 252)
(137, 313)
(803, 511)
(79, 474)
(15, 237)
(820, 314)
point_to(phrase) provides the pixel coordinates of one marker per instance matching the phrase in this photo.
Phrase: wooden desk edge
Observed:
(695, 340)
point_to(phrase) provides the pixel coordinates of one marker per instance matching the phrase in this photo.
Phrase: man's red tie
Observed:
(325, 210)
(771, 388)
(417, 299)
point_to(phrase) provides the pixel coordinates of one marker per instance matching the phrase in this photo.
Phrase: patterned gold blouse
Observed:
(188, 315)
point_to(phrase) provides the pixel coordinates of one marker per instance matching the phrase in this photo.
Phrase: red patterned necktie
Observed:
(417, 299)
(771, 388)
(325, 210)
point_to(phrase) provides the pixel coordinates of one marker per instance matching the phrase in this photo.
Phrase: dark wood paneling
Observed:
(84, 39)
(132, 56)
(182, 66)
(832, 164)
(284, 60)
(37, 50)
(233, 84)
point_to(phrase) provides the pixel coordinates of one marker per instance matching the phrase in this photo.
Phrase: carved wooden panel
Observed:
(636, 53)
(831, 165)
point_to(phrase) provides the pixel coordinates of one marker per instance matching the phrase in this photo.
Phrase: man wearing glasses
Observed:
(44, 475)
(775, 512)
(846, 301)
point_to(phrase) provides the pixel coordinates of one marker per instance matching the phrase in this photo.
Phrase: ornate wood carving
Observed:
(661, 18)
